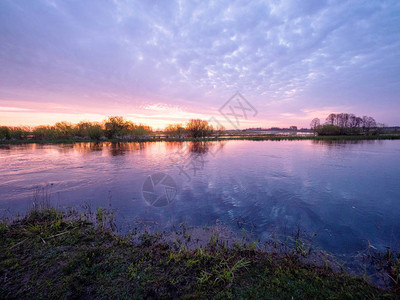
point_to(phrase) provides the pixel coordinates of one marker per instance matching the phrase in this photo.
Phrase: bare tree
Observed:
(331, 119)
(358, 122)
(340, 119)
(315, 123)
(346, 118)
(352, 122)
(345, 123)
(368, 122)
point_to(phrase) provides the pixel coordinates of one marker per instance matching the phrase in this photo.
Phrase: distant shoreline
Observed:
(210, 139)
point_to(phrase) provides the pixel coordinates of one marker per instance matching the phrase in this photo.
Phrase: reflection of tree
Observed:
(343, 143)
(85, 148)
(199, 147)
(112, 148)
(121, 148)
(173, 146)
(218, 146)
(116, 149)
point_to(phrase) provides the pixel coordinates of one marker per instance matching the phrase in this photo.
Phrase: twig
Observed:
(18, 244)
(58, 234)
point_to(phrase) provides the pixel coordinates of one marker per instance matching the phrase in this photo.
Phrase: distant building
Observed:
(294, 128)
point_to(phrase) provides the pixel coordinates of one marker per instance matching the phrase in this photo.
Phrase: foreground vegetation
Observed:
(45, 255)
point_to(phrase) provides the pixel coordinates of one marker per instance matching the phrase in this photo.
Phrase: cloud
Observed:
(13, 109)
(281, 55)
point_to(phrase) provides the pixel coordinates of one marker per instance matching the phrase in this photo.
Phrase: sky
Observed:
(163, 62)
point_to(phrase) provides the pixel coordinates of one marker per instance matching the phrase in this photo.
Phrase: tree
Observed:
(118, 127)
(44, 132)
(340, 120)
(199, 128)
(140, 130)
(19, 133)
(176, 130)
(315, 123)
(114, 126)
(82, 129)
(331, 119)
(94, 131)
(63, 130)
(368, 122)
(344, 123)
(5, 133)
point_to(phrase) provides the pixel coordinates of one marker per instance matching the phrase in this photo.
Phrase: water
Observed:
(345, 195)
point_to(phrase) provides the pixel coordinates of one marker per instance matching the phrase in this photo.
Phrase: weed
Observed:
(45, 255)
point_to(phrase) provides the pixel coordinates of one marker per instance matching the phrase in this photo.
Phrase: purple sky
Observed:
(160, 62)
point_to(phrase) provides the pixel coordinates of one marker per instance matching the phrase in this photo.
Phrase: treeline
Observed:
(195, 128)
(111, 128)
(345, 124)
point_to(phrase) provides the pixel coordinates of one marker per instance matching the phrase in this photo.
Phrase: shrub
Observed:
(5, 133)
(199, 128)
(328, 130)
(95, 131)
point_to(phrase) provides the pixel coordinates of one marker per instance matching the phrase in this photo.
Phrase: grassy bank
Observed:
(45, 255)
(221, 138)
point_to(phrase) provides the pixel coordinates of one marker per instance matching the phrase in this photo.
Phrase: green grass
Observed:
(47, 256)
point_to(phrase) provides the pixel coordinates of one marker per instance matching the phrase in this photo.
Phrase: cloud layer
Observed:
(292, 60)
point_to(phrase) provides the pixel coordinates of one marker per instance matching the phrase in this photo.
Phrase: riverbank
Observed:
(210, 139)
(48, 255)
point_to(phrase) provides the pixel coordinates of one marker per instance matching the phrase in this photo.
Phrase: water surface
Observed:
(343, 194)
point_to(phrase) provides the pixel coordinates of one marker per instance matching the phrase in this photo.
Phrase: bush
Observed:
(5, 133)
(328, 130)
(44, 132)
(19, 133)
(63, 130)
(140, 130)
(175, 130)
(95, 131)
(118, 127)
(199, 128)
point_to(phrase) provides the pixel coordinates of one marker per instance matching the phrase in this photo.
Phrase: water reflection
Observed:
(345, 142)
(199, 147)
(345, 192)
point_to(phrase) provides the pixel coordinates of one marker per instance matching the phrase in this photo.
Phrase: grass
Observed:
(49, 256)
(268, 137)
